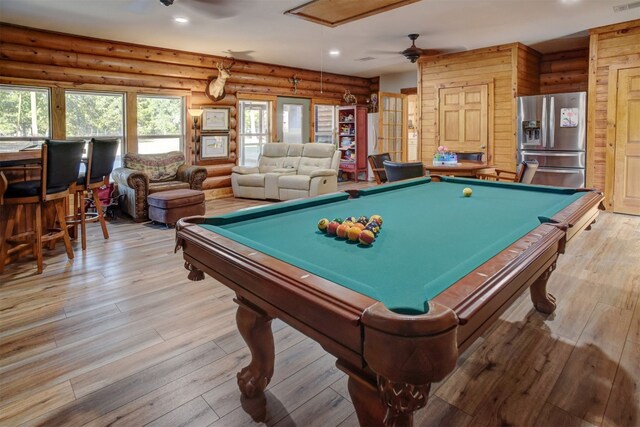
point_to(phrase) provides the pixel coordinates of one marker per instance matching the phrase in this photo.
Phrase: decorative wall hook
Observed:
(294, 81)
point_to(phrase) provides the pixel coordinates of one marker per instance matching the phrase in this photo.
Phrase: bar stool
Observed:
(59, 170)
(101, 155)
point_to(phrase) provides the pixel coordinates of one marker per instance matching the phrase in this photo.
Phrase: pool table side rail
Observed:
(326, 312)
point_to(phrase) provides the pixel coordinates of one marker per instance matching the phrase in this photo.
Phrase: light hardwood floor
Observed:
(119, 336)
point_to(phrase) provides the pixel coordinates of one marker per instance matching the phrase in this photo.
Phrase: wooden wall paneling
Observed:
(610, 46)
(63, 60)
(130, 143)
(466, 68)
(566, 71)
(58, 119)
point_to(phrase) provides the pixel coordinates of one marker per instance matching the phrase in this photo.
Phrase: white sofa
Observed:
(289, 171)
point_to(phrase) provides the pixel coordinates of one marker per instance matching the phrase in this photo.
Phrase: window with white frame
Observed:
(25, 117)
(324, 123)
(160, 124)
(95, 114)
(254, 130)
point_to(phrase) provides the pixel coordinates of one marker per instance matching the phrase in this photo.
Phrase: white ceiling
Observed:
(258, 30)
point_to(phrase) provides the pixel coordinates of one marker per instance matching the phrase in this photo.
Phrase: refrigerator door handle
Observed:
(543, 170)
(552, 122)
(544, 122)
(550, 154)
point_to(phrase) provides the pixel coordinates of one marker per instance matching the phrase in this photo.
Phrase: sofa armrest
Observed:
(323, 172)
(245, 170)
(131, 178)
(194, 175)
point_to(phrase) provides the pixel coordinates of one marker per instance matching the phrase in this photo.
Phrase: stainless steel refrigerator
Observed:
(552, 130)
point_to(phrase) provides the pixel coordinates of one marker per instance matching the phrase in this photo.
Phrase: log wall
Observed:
(566, 71)
(611, 47)
(37, 57)
(510, 70)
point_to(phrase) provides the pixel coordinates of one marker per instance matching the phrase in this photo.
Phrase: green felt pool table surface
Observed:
(432, 235)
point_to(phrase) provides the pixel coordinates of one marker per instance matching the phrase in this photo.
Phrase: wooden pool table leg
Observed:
(255, 327)
(543, 302)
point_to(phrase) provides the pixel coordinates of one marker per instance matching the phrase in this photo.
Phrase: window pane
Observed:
(24, 116)
(90, 114)
(254, 131)
(324, 123)
(93, 114)
(159, 115)
(292, 123)
(158, 145)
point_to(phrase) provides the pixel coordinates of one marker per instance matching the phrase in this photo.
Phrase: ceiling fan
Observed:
(217, 8)
(413, 52)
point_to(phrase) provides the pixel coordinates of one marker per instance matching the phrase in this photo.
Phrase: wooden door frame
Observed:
(405, 103)
(612, 111)
(490, 110)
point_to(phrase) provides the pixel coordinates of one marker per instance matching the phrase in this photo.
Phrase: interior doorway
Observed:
(293, 119)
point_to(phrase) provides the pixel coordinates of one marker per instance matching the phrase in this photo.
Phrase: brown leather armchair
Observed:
(145, 174)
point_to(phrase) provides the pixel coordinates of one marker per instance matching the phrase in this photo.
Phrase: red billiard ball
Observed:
(342, 230)
(354, 233)
(367, 237)
(332, 228)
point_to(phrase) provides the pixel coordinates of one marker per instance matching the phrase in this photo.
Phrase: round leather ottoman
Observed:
(168, 207)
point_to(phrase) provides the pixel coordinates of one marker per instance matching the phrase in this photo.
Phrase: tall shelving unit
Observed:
(352, 140)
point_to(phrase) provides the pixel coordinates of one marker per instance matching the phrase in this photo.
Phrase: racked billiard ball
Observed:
(376, 218)
(342, 230)
(338, 220)
(359, 225)
(322, 225)
(373, 227)
(366, 237)
(332, 228)
(354, 233)
(363, 220)
(351, 219)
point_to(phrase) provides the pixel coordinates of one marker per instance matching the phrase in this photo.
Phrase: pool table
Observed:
(396, 313)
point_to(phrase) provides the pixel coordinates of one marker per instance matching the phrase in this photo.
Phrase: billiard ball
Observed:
(359, 225)
(376, 218)
(350, 219)
(342, 230)
(338, 220)
(322, 225)
(366, 237)
(363, 220)
(354, 233)
(332, 228)
(373, 227)
(467, 192)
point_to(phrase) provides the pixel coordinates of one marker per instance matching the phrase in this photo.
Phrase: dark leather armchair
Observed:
(397, 171)
(377, 166)
(144, 174)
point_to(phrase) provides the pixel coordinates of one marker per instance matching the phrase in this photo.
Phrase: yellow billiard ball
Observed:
(467, 192)
(323, 224)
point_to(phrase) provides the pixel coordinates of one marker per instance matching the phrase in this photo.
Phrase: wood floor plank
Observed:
(623, 408)
(327, 408)
(634, 330)
(591, 368)
(36, 404)
(195, 413)
(287, 396)
(226, 397)
(439, 413)
(63, 363)
(554, 416)
(120, 393)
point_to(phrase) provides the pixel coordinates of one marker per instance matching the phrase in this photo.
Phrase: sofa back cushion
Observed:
(159, 167)
(316, 156)
(273, 155)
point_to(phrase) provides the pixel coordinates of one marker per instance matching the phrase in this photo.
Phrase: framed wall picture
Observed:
(215, 119)
(214, 146)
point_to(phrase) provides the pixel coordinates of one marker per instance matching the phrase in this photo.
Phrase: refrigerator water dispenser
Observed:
(531, 132)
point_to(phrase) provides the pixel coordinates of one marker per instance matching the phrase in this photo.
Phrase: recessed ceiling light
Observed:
(181, 20)
(334, 52)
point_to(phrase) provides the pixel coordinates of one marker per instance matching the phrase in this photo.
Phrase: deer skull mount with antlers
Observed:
(215, 86)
